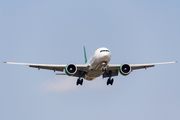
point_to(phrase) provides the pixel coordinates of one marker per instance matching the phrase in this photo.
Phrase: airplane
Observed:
(96, 66)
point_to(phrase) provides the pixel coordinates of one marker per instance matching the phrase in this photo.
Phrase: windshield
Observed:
(104, 51)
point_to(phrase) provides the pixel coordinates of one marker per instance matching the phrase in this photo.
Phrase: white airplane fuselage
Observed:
(97, 62)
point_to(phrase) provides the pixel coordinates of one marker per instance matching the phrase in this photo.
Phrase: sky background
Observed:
(135, 31)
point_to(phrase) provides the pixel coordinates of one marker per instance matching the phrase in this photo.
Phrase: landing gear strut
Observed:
(110, 81)
(103, 69)
(79, 81)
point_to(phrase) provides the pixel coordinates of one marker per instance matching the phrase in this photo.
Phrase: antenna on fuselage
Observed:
(85, 55)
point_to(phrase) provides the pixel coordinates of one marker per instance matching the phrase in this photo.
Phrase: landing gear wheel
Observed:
(110, 81)
(78, 82)
(81, 82)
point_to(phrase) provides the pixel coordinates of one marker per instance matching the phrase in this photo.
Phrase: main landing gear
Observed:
(79, 81)
(110, 81)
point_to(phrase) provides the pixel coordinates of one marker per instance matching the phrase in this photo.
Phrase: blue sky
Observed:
(55, 32)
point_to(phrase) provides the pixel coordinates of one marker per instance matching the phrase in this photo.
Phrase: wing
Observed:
(54, 67)
(140, 66)
(114, 68)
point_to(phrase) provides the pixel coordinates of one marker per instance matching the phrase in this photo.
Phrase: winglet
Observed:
(85, 55)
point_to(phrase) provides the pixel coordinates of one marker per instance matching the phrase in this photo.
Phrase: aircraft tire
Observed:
(81, 82)
(78, 82)
(112, 80)
(108, 81)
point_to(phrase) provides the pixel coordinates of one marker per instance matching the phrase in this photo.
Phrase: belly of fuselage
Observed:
(94, 72)
(91, 75)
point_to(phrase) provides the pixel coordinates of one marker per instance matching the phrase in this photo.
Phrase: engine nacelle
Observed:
(70, 69)
(125, 69)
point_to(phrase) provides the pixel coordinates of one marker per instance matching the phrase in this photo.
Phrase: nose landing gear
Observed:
(103, 69)
(104, 63)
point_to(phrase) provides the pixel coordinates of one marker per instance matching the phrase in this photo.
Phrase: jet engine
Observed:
(70, 69)
(125, 69)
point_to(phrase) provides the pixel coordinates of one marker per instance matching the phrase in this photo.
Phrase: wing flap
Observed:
(113, 73)
(55, 68)
(141, 67)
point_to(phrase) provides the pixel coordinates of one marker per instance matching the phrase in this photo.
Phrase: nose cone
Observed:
(106, 56)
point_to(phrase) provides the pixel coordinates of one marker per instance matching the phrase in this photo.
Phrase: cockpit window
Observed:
(104, 51)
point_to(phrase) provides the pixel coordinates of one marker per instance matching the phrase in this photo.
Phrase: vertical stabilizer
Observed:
(85, 55)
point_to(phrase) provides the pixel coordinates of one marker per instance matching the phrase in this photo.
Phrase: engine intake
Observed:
(125, 69)
(70, 69)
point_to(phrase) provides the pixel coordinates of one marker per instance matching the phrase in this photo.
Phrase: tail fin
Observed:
(85, 55)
